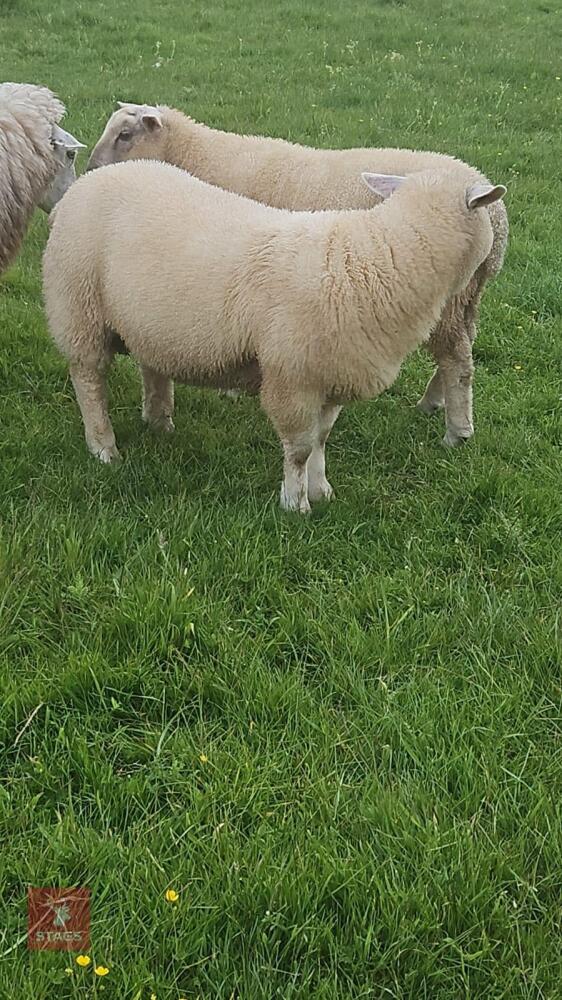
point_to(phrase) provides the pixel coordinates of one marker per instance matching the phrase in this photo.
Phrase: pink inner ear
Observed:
(152, 120)
(383, 184)
(480, 195)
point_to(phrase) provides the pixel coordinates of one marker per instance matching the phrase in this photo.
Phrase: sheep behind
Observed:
(36, 160)
(287, 175)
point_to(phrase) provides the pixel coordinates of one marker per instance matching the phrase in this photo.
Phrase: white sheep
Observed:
(296, 177)
(36, 160)
(207, 287)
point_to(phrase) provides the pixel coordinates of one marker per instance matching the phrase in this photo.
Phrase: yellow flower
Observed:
(153, 996)
(203, 758)
(101, 970)
(517, 368)
(172, 896)
(83, 960)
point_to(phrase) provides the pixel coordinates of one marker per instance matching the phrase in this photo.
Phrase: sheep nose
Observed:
(91, 165)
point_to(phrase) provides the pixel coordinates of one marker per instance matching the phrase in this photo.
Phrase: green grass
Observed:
(375, 691)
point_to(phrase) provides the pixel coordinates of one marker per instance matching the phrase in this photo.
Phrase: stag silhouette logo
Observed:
(61, 912)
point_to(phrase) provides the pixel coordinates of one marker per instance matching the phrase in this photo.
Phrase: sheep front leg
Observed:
(91, 392)
(295, 416)
(157, 400)
(294, 488)
(318, 486)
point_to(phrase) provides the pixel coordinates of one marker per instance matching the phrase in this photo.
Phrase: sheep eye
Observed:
(71, 155)
(124, 135)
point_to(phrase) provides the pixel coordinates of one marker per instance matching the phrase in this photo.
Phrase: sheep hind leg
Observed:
(318, 486)
(451, 346)
(457, 370)
(433, 398)
(157, 400)
(90, 387)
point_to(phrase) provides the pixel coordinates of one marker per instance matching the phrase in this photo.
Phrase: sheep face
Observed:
(65, 148)
(133, 132)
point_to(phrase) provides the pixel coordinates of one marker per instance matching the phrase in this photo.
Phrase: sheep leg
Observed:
(296, 418)
(91, 392)
(157, 399)
(457, 370)
(318, 486)
(457, 366)
(451, 346)
(433, 398)
(294, 488)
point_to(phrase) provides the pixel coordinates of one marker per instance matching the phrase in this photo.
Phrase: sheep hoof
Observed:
(164, 425)
(320, 491)
(429, 406)
(296, 503)
(109, 456)
(453, 439)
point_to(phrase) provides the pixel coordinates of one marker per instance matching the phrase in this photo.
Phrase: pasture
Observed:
(338, 739)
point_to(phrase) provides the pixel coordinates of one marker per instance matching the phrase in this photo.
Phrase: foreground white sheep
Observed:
(36, 160)
(213, 289)
(285, 175)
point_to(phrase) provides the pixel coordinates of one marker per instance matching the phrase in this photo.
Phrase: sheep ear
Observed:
(383, 184)
(64, 140)
(151, 118)
(479, 195)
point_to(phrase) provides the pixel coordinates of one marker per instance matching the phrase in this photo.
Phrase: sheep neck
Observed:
(195, 147)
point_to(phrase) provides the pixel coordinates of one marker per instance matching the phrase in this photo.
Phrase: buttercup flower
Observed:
(172, 896)
(83, 960)
(101, 970)
(203, 758)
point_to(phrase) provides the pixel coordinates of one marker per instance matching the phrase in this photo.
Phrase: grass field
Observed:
(339, 738)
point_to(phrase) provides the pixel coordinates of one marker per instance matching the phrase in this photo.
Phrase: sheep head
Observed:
(65, 148)
(133, 132)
